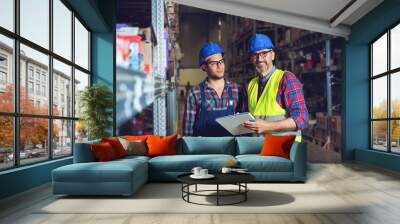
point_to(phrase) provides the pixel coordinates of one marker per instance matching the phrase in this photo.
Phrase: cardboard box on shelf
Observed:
(170, 9)
(171, 16)
(145, 33)
(320, 135)
(322, 120)
(173, 24)
(169, 4)
(147, 57)
(336, 124)
(335, 139)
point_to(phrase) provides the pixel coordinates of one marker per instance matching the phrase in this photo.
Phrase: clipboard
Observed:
(233, 123)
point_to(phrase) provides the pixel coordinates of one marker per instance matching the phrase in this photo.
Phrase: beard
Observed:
(262, 68)
(216, 76)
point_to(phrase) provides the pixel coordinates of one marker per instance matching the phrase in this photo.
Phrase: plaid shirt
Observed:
(290, 97)
(193, 102)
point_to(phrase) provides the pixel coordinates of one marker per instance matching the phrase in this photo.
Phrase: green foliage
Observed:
(96, 102)
(380, 127)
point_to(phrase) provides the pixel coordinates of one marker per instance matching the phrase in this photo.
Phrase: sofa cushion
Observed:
(112, 171)
(185, 163)
(249, 145)
(208, 145)
(257, 163)
(161, 145)
(135, 137)
(116, 145)
(277, 145)
(135, 147)
(103, 152)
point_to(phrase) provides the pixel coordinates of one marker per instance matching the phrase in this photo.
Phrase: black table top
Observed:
(220, 178)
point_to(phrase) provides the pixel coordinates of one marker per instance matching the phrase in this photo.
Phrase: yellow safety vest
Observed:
(266, 107)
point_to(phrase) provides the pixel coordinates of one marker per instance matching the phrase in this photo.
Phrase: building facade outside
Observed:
(34, 82)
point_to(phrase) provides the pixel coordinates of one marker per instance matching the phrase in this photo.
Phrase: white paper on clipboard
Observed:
(233, 123)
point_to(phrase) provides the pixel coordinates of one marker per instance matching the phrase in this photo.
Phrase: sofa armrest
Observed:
(298, 155)
(83, 152)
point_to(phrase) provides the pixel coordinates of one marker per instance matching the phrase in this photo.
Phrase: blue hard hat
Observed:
(259, 42)
(209, 49)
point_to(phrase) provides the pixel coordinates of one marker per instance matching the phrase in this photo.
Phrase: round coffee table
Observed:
(238, 179)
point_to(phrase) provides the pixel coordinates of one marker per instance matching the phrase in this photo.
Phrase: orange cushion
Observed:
(103, 151)
(277, 145)
(161, 145)
(116, 145)
(135, 137)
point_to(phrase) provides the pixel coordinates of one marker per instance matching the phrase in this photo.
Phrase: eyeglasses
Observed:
(263, 54)
(215, 63)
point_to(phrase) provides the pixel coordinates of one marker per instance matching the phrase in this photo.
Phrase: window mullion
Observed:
(73, 81)
(16, 84)
(389, 113)
(389, 90)
(89, 55)
(50, 81)
(371, 92)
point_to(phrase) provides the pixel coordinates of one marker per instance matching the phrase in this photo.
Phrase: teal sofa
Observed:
(125, 176)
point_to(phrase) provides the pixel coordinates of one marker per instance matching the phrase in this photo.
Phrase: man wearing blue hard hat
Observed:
(275, 97)
(213, 98)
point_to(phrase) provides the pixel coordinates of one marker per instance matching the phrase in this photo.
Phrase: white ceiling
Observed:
(314, 15)
(321, 9)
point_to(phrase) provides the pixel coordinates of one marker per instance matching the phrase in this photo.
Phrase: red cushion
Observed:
(135, 137)
(103, 152)
(277, 145)
(116, 145)
(161, 145)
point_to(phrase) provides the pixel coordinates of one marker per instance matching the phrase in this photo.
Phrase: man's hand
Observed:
(262, 126)
(259, 126)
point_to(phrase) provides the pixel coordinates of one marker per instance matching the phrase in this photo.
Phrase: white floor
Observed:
(379, 190)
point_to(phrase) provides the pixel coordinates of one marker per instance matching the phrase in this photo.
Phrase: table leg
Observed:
(217, 194)
(196, 188)
(188, 190)
(182, 190)
(245, 191)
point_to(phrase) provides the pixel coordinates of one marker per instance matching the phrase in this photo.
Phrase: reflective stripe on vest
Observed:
(266, 107)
